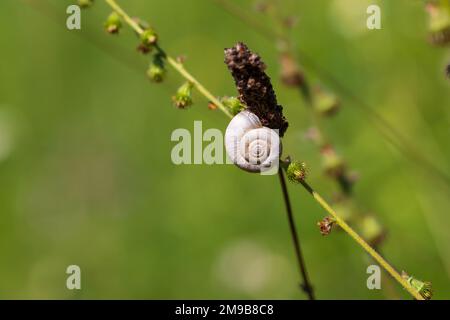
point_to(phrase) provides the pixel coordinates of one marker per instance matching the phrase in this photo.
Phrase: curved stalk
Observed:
(352, 233)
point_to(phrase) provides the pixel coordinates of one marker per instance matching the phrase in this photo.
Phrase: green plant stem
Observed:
(361, 241)
(306, 285)
(173, 62)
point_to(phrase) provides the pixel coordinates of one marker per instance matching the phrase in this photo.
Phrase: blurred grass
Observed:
(86, 176)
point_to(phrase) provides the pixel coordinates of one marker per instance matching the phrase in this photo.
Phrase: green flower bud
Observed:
(157, 70)
(372, 230)
(183, 97)
(296, 171)
(149, 37)
(424, 288)
(85, 3)
(113, 23)
(233, 105)
(325, 102)
(333, 164)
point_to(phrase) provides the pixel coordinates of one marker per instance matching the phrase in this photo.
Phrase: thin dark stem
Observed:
(306, 285)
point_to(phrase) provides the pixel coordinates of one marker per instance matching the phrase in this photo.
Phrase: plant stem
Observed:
(306, 285)
(173, 62)
(361, 242)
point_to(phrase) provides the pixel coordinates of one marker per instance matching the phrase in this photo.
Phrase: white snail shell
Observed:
(250, 145)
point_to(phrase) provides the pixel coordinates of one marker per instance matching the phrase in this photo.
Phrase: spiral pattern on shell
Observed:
(250, 145)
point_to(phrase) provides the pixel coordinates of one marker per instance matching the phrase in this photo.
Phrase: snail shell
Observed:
(250, 145)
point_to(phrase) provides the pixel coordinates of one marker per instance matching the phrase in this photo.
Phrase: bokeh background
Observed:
(86, 176)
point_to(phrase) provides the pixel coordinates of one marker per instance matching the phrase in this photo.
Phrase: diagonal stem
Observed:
(173, 62)
(306, 285)
(352, 233)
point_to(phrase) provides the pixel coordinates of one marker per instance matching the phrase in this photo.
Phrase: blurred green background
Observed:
(86, 176)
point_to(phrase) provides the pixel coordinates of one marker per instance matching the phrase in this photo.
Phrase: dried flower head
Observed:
(254, 86)
(325, 225)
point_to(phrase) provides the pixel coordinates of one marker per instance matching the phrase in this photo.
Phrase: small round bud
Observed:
(296, 171)
(233, 105)
(290, 73)
(149, 37)
(156, 71)
(325, 103)
(148, 40)
(113, 23)
(325, 225)
(183, 97)
(371, 230)
(85, 3)
(333, 164)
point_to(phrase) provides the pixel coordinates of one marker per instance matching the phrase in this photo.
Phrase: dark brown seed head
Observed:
(254, 86)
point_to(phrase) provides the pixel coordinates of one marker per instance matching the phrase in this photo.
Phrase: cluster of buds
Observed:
(424, 288)
(113, 23)
(183, 98)
(325, 102)
(233, 104)
(85, 3)
(325, 225)
(297, 171)
(439, 22)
